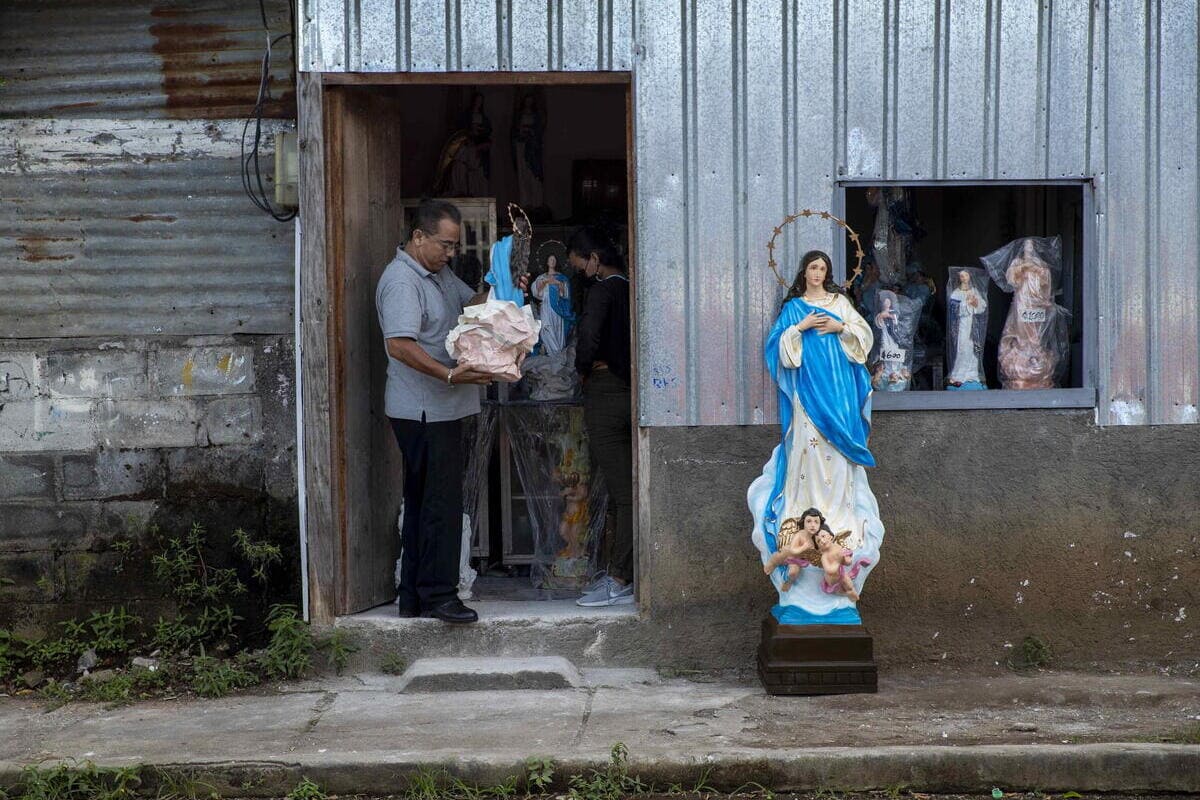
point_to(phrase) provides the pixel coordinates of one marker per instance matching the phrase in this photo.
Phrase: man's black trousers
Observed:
(432, 529)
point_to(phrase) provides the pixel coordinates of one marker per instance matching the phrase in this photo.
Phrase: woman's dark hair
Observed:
(798, 285)
(600, 240)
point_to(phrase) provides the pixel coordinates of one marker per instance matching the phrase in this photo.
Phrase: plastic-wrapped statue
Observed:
(895, 322)
(894, 233)
(966, 324)
(1033, 345)
(496, 335)
(816, 353)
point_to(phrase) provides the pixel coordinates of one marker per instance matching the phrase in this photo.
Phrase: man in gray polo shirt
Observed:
(418, 301)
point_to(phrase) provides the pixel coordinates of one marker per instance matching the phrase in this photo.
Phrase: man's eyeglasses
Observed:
(447, 245)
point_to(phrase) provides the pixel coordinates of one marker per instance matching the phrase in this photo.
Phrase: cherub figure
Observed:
(838, 563)
(797, 545)
(573, 523)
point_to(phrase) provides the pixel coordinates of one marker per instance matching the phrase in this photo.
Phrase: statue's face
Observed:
(824, 538)
(812, 524)
(815, 272)
(964, 279)
(552, 262)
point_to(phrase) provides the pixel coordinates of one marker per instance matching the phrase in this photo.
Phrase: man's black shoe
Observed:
(409, 609)
(452, 611)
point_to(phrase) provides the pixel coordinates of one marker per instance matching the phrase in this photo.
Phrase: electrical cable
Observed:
(253, 184)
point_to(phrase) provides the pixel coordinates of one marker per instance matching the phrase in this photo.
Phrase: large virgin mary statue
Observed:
(816, 353)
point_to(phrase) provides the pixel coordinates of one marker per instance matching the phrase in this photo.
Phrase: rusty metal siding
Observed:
(455, 36)
(173, 58)
(747, 110)
(135, 227)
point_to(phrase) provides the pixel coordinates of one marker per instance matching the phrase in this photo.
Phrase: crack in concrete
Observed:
(587, 714)
(323, 704)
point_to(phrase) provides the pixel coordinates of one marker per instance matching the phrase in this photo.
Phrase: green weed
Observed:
(71, 781)
(289, 654)
(539, 775)
(394, 665)
(212, 677)
(340, 650)
(258, 554)
(183, 785)
(307, 790)
(1033, 654)
(612, 783)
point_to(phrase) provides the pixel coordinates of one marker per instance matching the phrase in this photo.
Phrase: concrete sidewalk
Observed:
(927, 730)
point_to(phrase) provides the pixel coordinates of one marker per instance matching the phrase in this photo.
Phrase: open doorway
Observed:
(537, 512)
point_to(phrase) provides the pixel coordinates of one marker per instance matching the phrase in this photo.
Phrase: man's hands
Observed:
(468, 375)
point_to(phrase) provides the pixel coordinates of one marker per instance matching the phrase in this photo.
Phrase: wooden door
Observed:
(364, 186)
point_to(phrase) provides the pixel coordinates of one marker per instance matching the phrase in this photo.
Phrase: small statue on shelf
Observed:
(1033, 345)
(966, 321)
(895, 320)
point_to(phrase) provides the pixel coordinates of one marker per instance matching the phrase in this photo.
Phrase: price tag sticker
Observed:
(892, 356)
(1033, 315)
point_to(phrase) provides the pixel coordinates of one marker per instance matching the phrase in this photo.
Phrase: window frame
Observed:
(942, 400)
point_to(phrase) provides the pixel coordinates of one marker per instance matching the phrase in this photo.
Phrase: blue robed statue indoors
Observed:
(816, 522)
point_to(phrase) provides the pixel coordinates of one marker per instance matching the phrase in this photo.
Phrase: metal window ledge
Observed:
(991, 399)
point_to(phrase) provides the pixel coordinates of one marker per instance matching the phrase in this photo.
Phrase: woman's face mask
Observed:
(587, 268)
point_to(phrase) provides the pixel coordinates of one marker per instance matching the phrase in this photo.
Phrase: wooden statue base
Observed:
(816, 659)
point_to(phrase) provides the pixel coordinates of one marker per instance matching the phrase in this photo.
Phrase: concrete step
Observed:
(614, 636)
(490, 674)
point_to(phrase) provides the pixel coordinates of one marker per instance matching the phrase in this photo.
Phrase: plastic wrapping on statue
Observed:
(479, 437)
(565, 500)
(966, 328)
(551, 377)
(894, 232)
(1034, 346)
(894, 320)
(495, 336)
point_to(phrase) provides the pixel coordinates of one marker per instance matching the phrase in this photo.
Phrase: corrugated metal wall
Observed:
(453, 36)
(748, 110)
(121, 204)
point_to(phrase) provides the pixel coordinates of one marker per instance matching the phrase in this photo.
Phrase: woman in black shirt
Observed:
(603, 361)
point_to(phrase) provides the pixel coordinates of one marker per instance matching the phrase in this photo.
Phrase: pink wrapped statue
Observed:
(496, 335)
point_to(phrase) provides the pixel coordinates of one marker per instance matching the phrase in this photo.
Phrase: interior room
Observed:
(535, 509)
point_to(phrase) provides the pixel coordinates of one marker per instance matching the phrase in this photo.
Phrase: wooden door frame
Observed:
(322, 305)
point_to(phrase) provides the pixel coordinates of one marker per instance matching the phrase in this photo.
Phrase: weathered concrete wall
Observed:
(103, 440)
(999, 525)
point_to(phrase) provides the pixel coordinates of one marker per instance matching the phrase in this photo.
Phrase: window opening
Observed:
(991, 276)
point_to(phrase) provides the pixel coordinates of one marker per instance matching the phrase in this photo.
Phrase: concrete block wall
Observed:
(107, 439)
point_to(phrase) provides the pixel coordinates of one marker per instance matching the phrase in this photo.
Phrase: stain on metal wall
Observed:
(136, 227)
(746, 110)
(179, 59)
